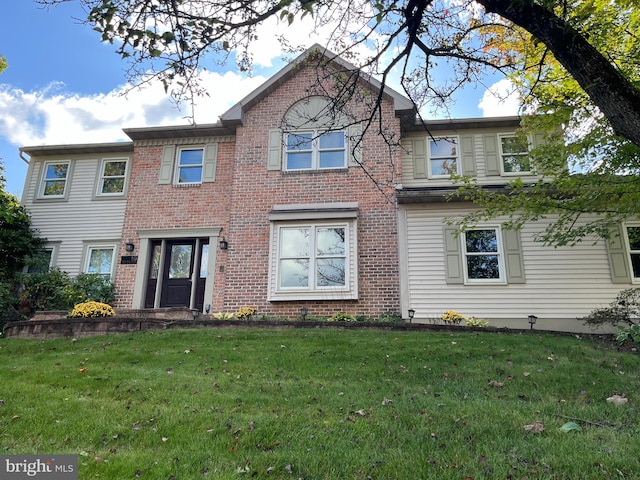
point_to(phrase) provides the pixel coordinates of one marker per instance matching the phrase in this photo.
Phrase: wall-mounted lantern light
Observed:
(129, 246)
(532, 320)
(224, 244)
(412, 313)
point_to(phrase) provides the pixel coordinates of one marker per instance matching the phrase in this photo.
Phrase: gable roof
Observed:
(233, 116)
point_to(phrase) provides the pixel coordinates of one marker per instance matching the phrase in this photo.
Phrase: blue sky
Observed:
(64, 86)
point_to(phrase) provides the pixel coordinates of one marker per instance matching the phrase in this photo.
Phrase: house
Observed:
(289, 202)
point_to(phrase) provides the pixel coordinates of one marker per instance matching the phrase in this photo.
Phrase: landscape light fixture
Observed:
(224, 244)
(303, 312)
(412, 313)
(532, 320)
(207, 308)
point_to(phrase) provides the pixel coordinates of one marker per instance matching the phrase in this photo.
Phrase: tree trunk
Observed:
(614, 95)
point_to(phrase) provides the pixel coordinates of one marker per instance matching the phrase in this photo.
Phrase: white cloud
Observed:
(500, 100)
(52, 117)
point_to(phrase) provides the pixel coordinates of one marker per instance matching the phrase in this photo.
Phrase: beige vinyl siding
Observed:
(561, 283)
(409, 178)
(79, 220)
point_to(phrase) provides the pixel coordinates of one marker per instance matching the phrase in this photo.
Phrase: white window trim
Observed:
(634, 280)
(43, 180)
(501, 155)
(176, 173)
(315, 150)
(101, 177)
(347, 292)
(453, 138)
(500, 253)
(98, 246)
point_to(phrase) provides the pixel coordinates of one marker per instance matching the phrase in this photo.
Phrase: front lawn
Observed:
(236, 403)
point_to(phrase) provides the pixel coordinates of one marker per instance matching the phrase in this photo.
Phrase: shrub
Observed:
(245, 313)
(629, 334)
(44, 291)
(623, 310)
(90, 287)
(92, 310)
(55, 290)
(476, 322)
(341, 317)
(451, 316)
(391, 316)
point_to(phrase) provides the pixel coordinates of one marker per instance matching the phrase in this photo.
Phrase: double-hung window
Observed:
(483, 259)
(312, 257)
(42, 262)
(189, 165)
(633, 238)
(112, 176)
(100, 260)
(443, 157)
(54, 180)
(514, 152)
(315, 150)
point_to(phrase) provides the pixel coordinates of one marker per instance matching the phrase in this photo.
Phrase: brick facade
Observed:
(255, 191)
(245, 191)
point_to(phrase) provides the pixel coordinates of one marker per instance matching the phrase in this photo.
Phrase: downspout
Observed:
(26, 160)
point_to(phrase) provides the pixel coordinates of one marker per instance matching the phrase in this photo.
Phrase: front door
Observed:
(180, 285)
(178, 265)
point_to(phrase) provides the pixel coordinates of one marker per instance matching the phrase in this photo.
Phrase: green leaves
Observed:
(570, 427)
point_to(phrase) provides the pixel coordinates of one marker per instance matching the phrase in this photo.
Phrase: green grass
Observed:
(322, 404)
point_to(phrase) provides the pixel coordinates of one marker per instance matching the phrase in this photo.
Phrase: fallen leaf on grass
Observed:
(496, 384)
(535, 427)
(569, 426)
(617, 399)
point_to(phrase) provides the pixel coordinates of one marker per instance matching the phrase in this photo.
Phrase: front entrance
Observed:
(177, 273)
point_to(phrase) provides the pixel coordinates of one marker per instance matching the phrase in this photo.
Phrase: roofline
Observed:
(465, 123)
(178, 131)
(79, 148)
(234, 116)
(445, 194)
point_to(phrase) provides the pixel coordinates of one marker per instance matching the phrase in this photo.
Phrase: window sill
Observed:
(313, 295)
(320, 171)
(51, 199)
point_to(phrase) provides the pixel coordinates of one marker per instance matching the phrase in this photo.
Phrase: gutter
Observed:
(21, 155)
